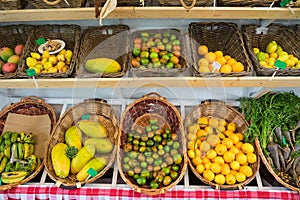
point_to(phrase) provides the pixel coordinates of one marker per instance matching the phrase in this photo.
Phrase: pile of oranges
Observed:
(218, 153)
(208, 59)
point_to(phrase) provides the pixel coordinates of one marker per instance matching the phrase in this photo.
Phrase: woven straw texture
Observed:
(42, 4)
(161, 72)
(188, 2)
(105, 41)
(260, 40)
(12, 4)
(137, 114)
(246, 3)
(98, 110)
(12, 35)
(218, 36)
(70, 34)
(220, 110)
(30, 105)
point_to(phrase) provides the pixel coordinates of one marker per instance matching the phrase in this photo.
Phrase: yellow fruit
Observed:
(60, 162)
(102, 65)
(209, 129)
(214, 122)
(220, 149)
(193, 128)
(240, 136)
(225, 169)
(203, 121)
(198, 153)
(234, 138)
(208, 175)
(202, 62)
(255, 50)
(246, 170)
(191, 136)
(220, 179)
(225, 69)
(227, 57)
(233, 172)
(204, 69)
(200, 168)
(52, 70)
(92, 128)
(221, 60)
(235, 165)
(205, 146)
(207, 165)
(231, 61)
(196, 161)
(228, 133)
(191, 154)
(31, 62)
(205, 160)
(239, 145)
(247, 148)
(231, 126)
(211, 154)
(215, 168)
(251, 157)
(222, 122)
(230, 179)
(84, 155)
(53, 59)
(210, 56)
(219, 54)
(73, 137)
(228, 157)
(96, 163)
(201, 133)
(240, 177)
(192, 144)
(237, 67)
(46, 54)
(241, 158)
(273, 55)
(234, 150)
(271, 47)
(227, 142)
(212, 140)
(218, 159)
(48, 65)
(202, 50)
(221, 136)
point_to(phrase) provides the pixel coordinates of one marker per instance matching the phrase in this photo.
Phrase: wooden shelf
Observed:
(150, 12)
(125, 82)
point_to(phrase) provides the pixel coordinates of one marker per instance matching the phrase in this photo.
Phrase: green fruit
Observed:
(102, 65)
(261, 56)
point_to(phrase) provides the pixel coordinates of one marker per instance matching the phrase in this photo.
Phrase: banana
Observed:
(1, 138)
(3, 163)
(7, 142)
(28, 136)
(14, 149)
(1, 155)
(21, 150)
(22, 136)
(32, 162)
(2, 146)
(31, 149)
(7, 151)
(26, 150)
(17, 166)
(29, 141)
(8, 167)
(13, 177)
(13, 137)
(7, 134)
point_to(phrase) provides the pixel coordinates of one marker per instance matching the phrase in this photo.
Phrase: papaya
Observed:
(92, 128)
(60, 162)
(103, 145)
(102, 65)
(96, 163)
(73, 137)
(84, 155)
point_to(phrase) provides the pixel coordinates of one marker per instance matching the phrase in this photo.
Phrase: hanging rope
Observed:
(188, 7)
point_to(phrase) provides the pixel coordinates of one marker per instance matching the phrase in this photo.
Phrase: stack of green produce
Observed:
(275, 122)
(17, 156)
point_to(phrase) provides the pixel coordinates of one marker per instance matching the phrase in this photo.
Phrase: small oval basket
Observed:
(96, 110)
(219, 110)
(138, 116)
(32, 106)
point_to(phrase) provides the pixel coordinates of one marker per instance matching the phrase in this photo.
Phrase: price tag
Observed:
(284, 141)
(40, 41)
(86, 117)
(279, 64)
(91, 172)
(216, 66)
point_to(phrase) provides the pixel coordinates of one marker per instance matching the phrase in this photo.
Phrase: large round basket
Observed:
(138, 114)
(32, 106)
(218, 109)
(93, 109)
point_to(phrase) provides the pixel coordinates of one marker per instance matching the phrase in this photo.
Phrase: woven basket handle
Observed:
(220, 187)
(95, 99)
(153, 94)
(208, 101)
(32, 98)
(151, 192)
(52, 3)
(188, 7)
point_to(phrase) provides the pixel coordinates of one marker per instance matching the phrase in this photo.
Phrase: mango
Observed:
(100, 65)
(5, 53)
(103, 145)
(271, 47)
(60, 162)
(13, 59)
(9, 68)
(19, 49)
(96, 163)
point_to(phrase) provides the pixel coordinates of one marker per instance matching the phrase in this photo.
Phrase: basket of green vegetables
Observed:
(275, 126)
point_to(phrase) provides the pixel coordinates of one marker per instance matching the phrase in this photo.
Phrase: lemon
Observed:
(225, 169)
(205, 160)
(241, 158)
(228, 132)
(231, 126)
(240, 177)
(221, 136)
(208, 175)
(200, 168)
(196, 161)
(235, 165)
(219, 54)
(227, 142)
(220, 179)
(246, 170)
(220, 149)
(251, 157)
(234, 150)
(203, 62)
(234, 138)
(218, 159)
(233, 172)
(203, 121)
(192, 144)
(225, 68)
(211, 154)
(215, 168)
(228, 157)
(230, 179)
(247, 148)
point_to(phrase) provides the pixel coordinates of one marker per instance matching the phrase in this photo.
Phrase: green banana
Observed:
(32, 162)
(7, 134)
(22, 136)
(1, 138)
(3, 163)
(29, 141)
(7, 142)
(7, 151)
(8, 167)
(20, 150)
(17, 166)
(28, 136)
(14, 149)
(13, 177)
(2, 146)
(13, 137)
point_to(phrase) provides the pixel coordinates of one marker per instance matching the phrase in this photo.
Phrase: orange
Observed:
(225, 169)
(219, 54)
(246, 170)
(200, 168)
(203, 62)
(218, 159)
(225, 69)
(228, 157)
(220, 179)
(208, 175)
(210, 56)
(231, 61)
(237, 67)
(230, 179)
(227, 142)
(220, 149)
(235, 165)
(203, 121)
(215, 168)
(247, 148)
(221, 60)
(241, 158)
(202, 50)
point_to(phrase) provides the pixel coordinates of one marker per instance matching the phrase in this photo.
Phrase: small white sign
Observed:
(216, 65)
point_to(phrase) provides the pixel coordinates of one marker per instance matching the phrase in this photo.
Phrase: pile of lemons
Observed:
(218, 152)
(209, 61)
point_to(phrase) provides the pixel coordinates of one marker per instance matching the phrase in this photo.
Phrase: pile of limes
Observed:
(217, 151)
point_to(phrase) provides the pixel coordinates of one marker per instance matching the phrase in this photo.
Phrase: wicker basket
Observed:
(70, 34)
(252, 3)
(30, 105)
(105, 41)
(278, 34)
(97, 110)
(220, 110)
(188, 2)
(42, 4)
(137, 114)
(220, 36)
(161, 72)
(12, 35)
(12, 4)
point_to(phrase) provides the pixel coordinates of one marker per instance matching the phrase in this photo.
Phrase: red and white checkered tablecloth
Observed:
(91, 193)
